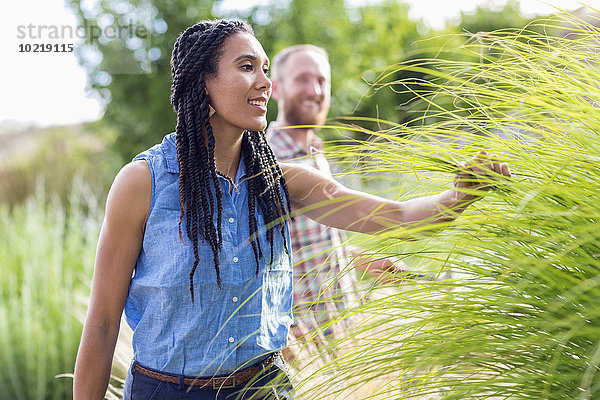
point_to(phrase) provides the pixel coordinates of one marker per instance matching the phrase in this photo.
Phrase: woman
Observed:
(201, 216)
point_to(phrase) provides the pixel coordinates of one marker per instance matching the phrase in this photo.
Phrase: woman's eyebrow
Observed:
(248, 57)
(245, 56)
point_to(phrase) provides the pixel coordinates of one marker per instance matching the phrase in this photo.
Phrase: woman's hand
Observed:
(478, 175)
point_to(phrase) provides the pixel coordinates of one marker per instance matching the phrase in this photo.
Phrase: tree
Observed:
(133, 75)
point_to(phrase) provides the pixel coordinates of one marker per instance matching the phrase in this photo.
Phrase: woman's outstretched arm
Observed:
(328, 202)
(119, 245)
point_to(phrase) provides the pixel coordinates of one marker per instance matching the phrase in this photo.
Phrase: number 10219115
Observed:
(45, 48)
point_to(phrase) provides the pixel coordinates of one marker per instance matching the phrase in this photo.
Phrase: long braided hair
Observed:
(195, 55)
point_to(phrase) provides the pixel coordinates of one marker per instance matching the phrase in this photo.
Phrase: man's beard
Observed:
(295, 116)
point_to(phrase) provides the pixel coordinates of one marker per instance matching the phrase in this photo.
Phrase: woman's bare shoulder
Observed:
(135, 174)
(131, 190)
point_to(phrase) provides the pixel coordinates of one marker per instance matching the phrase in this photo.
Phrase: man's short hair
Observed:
(280, 57)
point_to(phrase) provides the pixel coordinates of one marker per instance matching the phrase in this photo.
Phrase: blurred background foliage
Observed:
(52, 158)
(53, 181)
(362, 42)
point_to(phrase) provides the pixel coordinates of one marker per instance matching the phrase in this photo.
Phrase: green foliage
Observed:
(46, 259)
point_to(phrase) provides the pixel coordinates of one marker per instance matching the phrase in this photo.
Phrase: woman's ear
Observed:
(211, 110)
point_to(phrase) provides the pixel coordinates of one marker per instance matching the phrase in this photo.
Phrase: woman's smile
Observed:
(260, 103)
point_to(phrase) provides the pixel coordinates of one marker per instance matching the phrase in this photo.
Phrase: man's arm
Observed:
(330, 203)
(119, 245)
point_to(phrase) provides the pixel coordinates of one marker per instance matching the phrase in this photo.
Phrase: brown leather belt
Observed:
(218, 382)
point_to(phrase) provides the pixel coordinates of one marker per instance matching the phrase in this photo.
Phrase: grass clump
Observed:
(46, 261)
(506, 306)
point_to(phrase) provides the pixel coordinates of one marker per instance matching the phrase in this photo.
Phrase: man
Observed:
(324, 286)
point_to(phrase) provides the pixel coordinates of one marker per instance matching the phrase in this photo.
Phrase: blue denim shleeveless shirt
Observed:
(224, 329)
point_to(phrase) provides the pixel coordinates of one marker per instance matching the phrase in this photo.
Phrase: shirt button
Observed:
(235, 299)
(231, 340)
(231, 220)
(235, 259)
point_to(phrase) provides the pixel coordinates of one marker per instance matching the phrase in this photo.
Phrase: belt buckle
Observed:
(216, 386)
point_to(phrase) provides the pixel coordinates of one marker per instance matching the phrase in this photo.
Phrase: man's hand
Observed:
(384, 270)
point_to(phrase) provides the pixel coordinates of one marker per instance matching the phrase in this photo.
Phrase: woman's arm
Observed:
(120, 241)
(328, 202)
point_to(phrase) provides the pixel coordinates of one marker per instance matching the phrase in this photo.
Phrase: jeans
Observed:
(272, 384)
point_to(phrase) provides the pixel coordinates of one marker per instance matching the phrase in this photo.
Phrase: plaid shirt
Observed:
(324, 287)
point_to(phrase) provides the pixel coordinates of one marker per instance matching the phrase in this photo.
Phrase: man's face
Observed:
(303, 88)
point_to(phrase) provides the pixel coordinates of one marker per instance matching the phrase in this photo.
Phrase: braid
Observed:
(264, 188)
(272, 160)
(196, 54)
(254, 240)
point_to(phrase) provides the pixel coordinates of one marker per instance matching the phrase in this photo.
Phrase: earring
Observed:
(211, 111)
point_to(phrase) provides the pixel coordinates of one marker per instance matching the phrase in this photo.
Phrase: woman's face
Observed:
(240, 89)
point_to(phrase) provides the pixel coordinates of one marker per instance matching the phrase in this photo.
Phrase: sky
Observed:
(50, 88)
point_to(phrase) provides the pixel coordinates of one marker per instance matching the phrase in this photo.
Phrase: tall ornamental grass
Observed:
(46, 261)
(505, 301)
